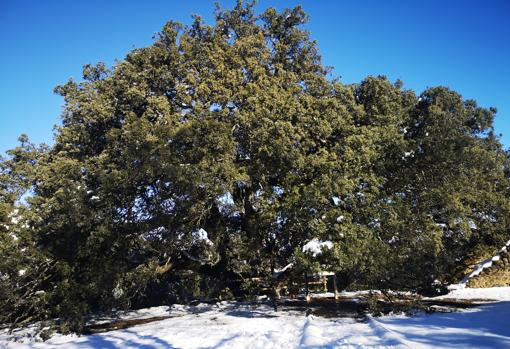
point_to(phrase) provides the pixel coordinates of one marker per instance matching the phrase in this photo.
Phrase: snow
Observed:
(201, 235)
(225, 325)
(244, 325)
(487, 326)
(393, 239)
(493, 293)
(14, 215)
(339, 333)
(315, 246)
(226, 199)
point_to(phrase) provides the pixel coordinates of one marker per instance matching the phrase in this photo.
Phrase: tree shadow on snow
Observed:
(249, 314)
(485, 327)
(223, 342)
(120, 341)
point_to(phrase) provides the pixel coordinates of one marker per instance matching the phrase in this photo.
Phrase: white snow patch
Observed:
(493, 293)
(226, 199)
(245, 325)
(201, 235)
(313, 335)
(14, 216)
(315, 246)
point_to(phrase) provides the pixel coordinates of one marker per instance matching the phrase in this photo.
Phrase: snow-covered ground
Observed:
(492, 293)
(234, 325)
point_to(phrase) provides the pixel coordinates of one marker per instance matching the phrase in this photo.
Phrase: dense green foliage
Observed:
(215, 154)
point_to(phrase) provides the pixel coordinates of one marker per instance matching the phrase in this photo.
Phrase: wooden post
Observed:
(335, 286)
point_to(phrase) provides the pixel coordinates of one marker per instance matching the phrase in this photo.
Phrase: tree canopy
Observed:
(215, 154)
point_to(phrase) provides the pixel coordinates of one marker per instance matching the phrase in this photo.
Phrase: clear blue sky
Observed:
(461, 44)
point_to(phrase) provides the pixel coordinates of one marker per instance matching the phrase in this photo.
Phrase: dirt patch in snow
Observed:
(121, 324)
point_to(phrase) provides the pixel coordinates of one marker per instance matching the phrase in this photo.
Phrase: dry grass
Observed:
(497, 277)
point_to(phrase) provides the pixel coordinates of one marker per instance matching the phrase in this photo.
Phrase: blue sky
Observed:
(461, 44)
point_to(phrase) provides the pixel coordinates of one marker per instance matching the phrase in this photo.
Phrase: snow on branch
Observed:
(315, 246)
